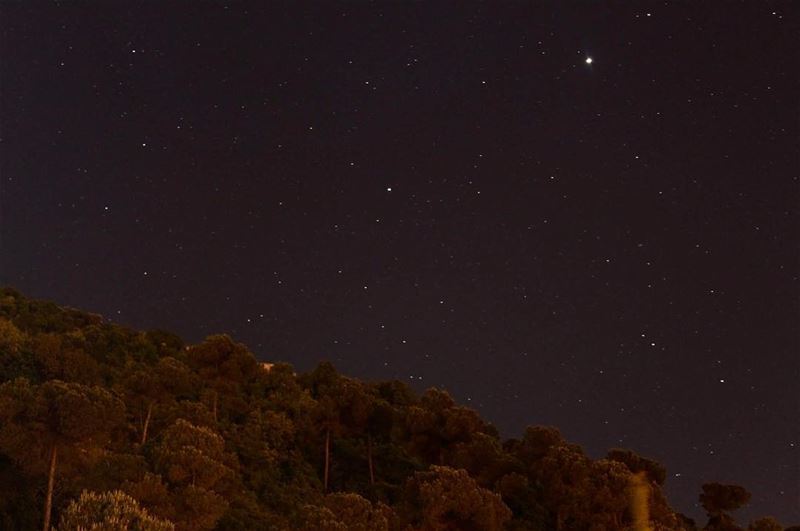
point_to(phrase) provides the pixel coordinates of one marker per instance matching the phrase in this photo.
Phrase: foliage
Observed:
(765, 524)
(109, 511)
(445, 498)
(111, 428)
(718, 500)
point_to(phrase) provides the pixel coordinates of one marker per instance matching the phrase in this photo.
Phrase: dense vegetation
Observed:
(104, 427)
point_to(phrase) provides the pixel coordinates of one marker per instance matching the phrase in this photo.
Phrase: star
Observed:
(589, 60)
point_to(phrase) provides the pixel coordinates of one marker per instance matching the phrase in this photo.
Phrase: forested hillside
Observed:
(105, 426)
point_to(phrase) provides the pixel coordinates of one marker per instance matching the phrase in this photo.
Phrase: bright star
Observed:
(588, 60)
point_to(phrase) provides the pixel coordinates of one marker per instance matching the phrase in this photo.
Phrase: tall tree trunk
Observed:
(147, 422)
(369, 459)
(214, 407)
(51, 479)
(327, 456)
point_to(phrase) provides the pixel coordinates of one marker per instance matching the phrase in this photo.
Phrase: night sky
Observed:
(577, 214)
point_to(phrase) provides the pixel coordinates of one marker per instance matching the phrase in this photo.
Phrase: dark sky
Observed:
(447, 193)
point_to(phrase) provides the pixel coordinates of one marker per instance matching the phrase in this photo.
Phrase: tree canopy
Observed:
(105, 427)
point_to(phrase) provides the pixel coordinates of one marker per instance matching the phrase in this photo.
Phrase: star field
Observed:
(582, 216)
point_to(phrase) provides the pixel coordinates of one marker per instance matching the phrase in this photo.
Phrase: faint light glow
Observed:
(639, 503)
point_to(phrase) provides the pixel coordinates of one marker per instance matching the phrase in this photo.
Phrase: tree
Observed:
(718, 500)
(282, 391)
(654, 470)
(64, 421)
(15, 362)
(109, 511)
(144, 387)
(245, 513)
(378, 427)
(193, 455)
(225, 367)
(396, 393)
(767, 523)
(62, 357)
(438, 425)
(316, 518)
(536, 442)
(523, 500)
(195, 464)
(142, 390)
(153, 493)
(263, 444)
(357, 513)
(444, 498)
(198, 509)
(11, 337)
(327, 388)
(565, 476)
(363, 415)
(607, 494)
(167, 343)
(19, 507)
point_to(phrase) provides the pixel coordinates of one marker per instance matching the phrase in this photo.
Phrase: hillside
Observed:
(102, 423)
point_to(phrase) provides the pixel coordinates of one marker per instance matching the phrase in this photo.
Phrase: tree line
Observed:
(105, 427)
